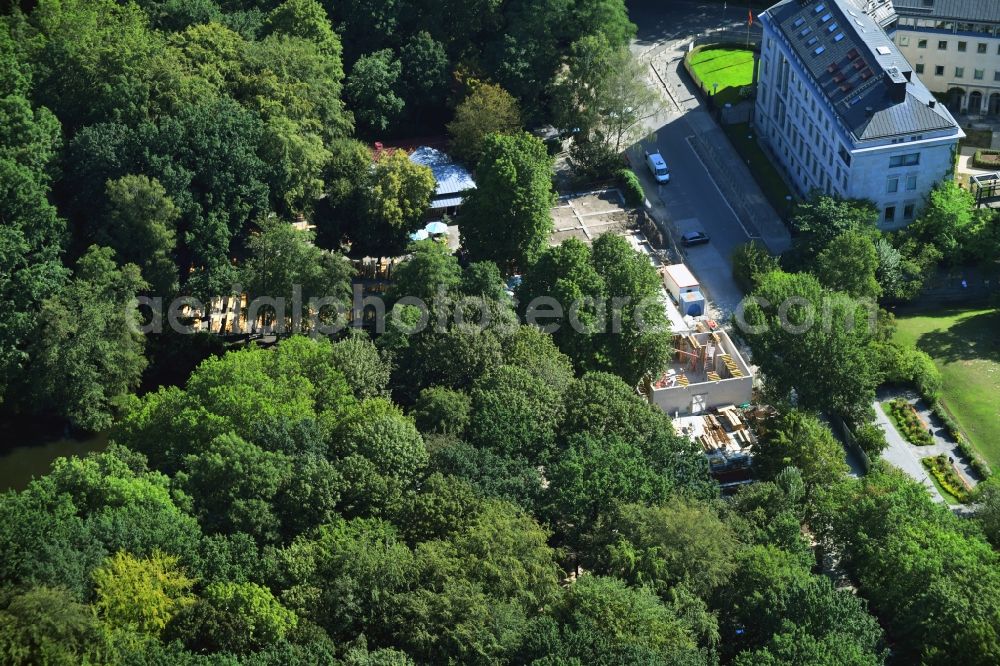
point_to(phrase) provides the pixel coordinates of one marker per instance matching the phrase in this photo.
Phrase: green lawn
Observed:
(771, 183)
(731, 68)
(965, 346)
(977, 138)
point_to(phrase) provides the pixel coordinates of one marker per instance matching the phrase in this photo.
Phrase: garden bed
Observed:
(965, 347)
(908, 422)
(763, 169)
(946, 478)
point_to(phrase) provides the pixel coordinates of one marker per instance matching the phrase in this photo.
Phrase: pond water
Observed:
(20, 464)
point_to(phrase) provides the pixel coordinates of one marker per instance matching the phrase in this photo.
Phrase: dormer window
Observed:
(833, 26)
(839, 36)
(819, 49)
(799, 21)
(819, 8)
(825, 17)
(805, 31)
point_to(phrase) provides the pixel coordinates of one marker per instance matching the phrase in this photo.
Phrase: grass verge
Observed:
(744, 140)
(977, 138)
(965, 347)
(729, 67)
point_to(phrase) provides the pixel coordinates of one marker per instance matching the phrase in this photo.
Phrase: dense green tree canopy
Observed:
(513, 183)
(813, 342)
(88, 351)
(487, 109)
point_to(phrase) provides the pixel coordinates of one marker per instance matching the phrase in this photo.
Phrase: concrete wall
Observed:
(678, 399)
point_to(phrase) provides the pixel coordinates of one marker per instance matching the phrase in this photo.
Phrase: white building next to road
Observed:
(955, 46)
(843, 111)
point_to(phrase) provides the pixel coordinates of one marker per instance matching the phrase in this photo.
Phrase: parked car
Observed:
(694, 238)
(658, 167)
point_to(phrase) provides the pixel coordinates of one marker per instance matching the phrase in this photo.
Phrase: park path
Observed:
(906, 456)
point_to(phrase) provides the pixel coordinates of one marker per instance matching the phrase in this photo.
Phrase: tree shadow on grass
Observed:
(975, 337)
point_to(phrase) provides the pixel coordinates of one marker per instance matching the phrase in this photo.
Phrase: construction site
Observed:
(726, 438)
(706, 371)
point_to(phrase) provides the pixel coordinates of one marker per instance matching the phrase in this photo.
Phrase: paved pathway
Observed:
(903, 455)
(906, 456)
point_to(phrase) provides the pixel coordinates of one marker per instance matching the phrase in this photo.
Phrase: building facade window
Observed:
(959, 72)
(939, 70)
(892, 185)
(911, 182)
(921, 43)
(996, 76)
(904, 40)
(909, 159)
(962, 46)
(943, 45)
(890, 214)
(908, 212)
(919, 67)
(981, 48)
(978, 74)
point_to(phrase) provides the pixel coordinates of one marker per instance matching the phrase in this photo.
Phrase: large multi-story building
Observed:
(843, 111)
(954, 45)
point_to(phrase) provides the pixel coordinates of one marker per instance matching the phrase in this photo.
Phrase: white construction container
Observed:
(678, 280)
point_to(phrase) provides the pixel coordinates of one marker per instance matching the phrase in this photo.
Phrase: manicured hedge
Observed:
(975, 460)
(631, 187)
(986, 159)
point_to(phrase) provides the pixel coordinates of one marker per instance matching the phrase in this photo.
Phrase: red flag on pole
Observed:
(749, 17)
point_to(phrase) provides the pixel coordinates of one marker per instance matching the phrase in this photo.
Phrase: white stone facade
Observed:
(816, 150)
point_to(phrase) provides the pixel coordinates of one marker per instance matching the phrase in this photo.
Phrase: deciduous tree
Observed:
(141, 594)
(487, 109)
(87, 356)
(371, 90)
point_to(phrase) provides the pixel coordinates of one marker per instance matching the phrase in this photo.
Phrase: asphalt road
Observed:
(692, 201)
(661, 20)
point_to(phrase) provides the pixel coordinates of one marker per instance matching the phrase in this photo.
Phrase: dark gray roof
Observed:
(987, 11)
(860, 71)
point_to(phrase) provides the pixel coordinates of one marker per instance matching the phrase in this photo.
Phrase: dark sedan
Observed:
(692, 238)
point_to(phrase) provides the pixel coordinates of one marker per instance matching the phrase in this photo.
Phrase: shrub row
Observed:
(975, 460)
(986, 159)
(947, 477)
(909, 423)
(631, 187)
(908, 366)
